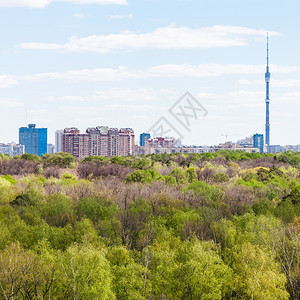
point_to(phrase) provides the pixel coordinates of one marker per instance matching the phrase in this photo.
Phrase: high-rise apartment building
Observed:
(126, 142)
(34, 139)
(59, 140)
(143, 137)
(75, 143)
(100, 141)
(258, 142)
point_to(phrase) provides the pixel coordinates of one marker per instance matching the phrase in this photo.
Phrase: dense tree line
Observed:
(206, 226)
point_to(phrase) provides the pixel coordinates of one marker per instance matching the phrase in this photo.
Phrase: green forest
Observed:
(222, 225)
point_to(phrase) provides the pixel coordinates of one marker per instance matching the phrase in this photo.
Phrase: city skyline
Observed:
(125, 63)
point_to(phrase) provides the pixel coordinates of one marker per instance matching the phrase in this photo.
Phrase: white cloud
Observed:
(284, 83)
(118, 95)
(7, 81)
(162, 71)
(289, 98)
(99, 74)
(161, 38)
(10, 103)
(235, 100)
(80, 15)
(203, 70)
(120, 17)
(126, 94)
(44, 3)
(247, 98)
(132, 108)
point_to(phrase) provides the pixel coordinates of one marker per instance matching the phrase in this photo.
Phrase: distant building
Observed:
(59, 140)
(295, 148)
(258, 142)
(247, 141)
(34, 139)
(75, 143)
(275, 149)
(159, 142)
(50, 149)
(199, 149)
(143, 138)
(100, 141)
(12, 149)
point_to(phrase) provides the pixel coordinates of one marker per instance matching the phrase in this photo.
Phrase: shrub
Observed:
(220, 177)
(144, 176)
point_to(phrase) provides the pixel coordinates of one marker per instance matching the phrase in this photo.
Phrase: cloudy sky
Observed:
(125, 63)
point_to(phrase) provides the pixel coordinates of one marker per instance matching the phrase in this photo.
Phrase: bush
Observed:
(144, 176)
(220, 177)
(60, 159)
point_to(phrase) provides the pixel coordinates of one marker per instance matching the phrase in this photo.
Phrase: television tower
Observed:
(267, 79)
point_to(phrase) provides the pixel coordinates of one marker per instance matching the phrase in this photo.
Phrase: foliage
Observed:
(181, 226)
(144, 176)
(60, 159)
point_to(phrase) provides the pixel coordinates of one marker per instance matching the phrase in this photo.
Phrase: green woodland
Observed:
(222, 225)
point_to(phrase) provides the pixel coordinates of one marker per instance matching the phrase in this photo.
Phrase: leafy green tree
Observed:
(169, 180)
(220, 177)
(97, 208)
(95, 158)
(60, 159)
(58, 211)
(9, 178)
(144, 176)
(85, 274)
(32, 157)
(179, 175)
(206, 275)
(164, 268)
(205, 192)
(258, 275)
(141, 163)
(7, 191)
(23, 275)
(191, 174)
(120, 160)
(188, 270)
(294, 195)
(129, 279)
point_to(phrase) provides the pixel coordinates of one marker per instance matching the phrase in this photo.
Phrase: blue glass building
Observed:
(258, 142)
(143, 137)
(34, 139)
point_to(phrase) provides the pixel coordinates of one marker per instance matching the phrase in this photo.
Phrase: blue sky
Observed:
(123, 63)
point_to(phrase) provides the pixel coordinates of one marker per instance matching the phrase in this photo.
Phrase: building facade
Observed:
(59, 140)
(159, 142)
(143, 137)
(100, 141)
(258, 142)
(50, 149)
(198, 149)
(275, 149)
(34, 139)
(11, 149)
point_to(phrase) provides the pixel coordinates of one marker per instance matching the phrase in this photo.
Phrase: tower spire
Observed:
(267, 50)
(267, 79)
